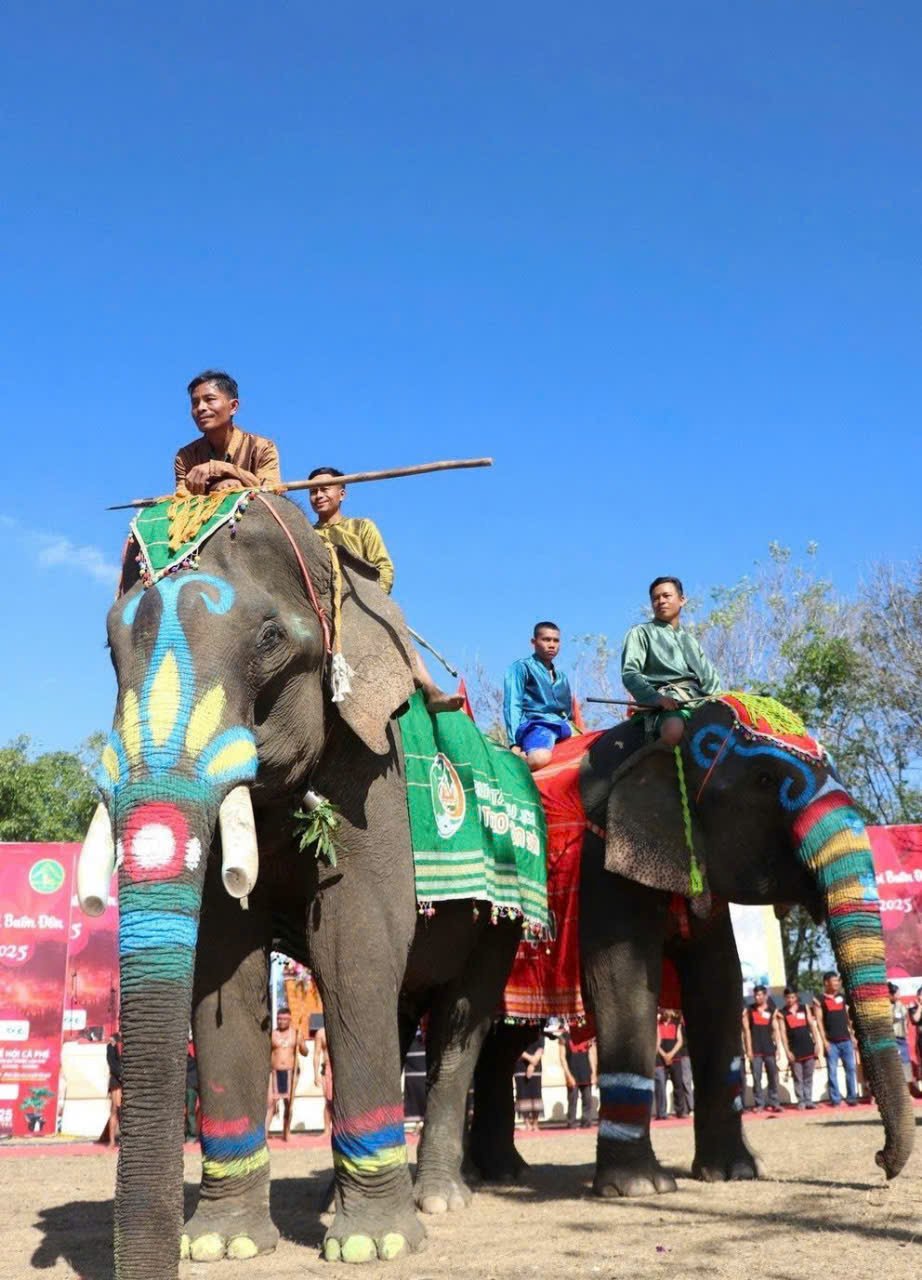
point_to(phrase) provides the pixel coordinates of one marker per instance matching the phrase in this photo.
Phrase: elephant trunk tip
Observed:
(896, 1151)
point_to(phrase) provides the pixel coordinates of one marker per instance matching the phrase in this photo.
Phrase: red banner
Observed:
(91, 993)
(36, 889)
(898, 864)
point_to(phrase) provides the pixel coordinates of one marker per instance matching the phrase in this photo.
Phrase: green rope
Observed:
(695, 879)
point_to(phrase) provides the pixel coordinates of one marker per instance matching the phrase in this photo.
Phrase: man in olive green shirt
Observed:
(363, 538)
(662, 664)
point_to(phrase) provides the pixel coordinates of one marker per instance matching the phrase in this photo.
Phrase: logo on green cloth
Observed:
(449, 803)
(46, 875)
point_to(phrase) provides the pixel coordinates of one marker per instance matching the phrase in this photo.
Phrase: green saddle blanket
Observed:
(169, 534)
(476, 821)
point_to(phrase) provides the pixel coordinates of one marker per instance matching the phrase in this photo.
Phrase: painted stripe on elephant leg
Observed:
(626, 1100)
(734, 1080)
(233, 1148)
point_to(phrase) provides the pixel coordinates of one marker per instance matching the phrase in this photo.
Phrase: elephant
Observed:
(225, 717)
(758, 809)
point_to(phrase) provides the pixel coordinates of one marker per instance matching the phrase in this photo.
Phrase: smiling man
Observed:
(362, 537)
(662, 664)
(225, 457)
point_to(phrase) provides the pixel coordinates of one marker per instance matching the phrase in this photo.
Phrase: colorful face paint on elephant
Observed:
(167, 725)
(148, 797)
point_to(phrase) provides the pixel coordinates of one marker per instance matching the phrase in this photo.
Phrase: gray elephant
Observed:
(761, 808)
(224, 718)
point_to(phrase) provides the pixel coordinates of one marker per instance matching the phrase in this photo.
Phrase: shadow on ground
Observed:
(79, 1233)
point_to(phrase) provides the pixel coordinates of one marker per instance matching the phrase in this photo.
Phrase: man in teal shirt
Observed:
(662, 664)
(537, 702)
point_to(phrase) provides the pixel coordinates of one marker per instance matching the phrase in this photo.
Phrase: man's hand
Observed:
(791, 1059)
(529, 1071)
(571, 1080)
(197, 478)
(668, 704)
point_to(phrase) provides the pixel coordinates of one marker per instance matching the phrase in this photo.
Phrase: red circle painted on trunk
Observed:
(154, 842)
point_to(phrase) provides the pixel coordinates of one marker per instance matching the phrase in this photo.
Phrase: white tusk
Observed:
(239, 852)
(96, 864)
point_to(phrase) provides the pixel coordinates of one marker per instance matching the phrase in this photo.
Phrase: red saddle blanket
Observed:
(545, 977)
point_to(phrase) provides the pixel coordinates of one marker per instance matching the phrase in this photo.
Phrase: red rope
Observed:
(707, 776)
(308, 584)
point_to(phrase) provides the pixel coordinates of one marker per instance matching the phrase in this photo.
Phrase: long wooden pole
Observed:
(624, 702)
(356, 477)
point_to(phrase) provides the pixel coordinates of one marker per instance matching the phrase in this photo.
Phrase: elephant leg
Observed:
(231, 1027)
(460, 1018)
(359, 939)
(622, 927)
(709, 973)
(492, 1149)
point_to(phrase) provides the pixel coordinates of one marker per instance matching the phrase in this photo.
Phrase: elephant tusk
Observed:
(239, 851)
(96, 864)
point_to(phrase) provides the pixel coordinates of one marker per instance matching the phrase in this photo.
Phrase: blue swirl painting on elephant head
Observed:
(170, 739)
(764, 727)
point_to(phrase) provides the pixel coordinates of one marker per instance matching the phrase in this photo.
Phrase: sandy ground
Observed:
(822, 1209)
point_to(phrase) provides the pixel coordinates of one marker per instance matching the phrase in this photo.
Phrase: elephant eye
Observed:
(270, 637)
(766, 780)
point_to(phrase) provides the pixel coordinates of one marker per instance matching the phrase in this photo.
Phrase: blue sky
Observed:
(661, 261)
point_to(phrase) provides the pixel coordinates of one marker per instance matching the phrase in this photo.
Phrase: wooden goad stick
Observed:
(357, 477)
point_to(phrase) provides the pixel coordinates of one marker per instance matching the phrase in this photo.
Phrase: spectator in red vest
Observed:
(838, 1039)
(761, 1049)
(802, 1044)
(670, 1042)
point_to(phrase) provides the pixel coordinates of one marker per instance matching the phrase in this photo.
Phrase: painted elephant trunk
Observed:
(160, 893)
(833, 843)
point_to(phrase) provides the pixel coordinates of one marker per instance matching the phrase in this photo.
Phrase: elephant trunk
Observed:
(160, 894)
(833, 844)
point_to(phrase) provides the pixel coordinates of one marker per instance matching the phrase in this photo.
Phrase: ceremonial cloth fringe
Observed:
(545, 978)
(169, 533)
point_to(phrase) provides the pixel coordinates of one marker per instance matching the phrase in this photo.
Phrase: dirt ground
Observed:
(822, 1208)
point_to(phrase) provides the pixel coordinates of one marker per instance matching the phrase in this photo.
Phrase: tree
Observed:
(47, 797)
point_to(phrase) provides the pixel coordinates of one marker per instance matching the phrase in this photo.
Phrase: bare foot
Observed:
(437, 701)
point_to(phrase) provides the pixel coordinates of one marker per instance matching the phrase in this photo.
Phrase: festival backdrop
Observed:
(898, 864)
(36, 889)
(58, 979)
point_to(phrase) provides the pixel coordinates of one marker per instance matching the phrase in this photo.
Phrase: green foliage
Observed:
(317, 827)
(36, 1100)
(47, 797)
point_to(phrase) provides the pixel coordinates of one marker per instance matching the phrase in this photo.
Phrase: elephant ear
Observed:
(645, 837)
(376, 645)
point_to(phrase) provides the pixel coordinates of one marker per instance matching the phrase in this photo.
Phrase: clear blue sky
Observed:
(661, 261)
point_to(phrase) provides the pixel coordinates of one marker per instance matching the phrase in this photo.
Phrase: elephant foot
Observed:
(725, 1158)
(224, 1230)
(498, 1163)
(630, 1169)
(441, 1193)
(350, 1239)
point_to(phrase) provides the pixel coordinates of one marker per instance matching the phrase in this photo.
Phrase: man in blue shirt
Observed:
(537, 702)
